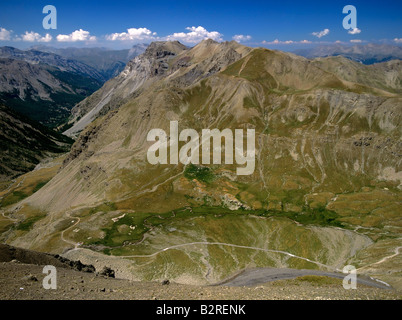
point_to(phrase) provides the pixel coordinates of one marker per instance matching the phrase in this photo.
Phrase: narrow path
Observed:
(228, 245)
(75, 244)
(155, 187)
(383, 259)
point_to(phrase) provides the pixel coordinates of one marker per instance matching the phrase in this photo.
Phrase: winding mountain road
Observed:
(75, 244)
(229, 245)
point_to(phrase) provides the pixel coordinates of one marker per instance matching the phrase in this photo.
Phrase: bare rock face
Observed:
(107, 272)
(9, 254)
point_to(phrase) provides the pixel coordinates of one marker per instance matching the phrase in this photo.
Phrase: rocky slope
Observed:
(18, 283)
(24, 143)
(37, 57)
(385, 76)
(42, 93)
(22, 280)
(326, 188)
(109, 63)
(152, 66)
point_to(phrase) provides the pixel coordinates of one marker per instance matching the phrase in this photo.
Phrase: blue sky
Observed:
(275, 24)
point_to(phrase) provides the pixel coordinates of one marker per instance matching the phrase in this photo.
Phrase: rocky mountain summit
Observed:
(153, 65)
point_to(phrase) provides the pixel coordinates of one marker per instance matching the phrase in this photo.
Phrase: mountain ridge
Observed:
(38, 57)
(106, 61)
(24, 144)
(143, 70)
(42, 92)
(364, 53)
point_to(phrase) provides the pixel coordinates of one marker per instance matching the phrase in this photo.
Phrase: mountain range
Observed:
(109, 63)
(365, 53)
(325, 192)
(45, 86)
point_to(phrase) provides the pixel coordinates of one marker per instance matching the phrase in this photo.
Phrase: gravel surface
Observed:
(252, 277)
(24, 282)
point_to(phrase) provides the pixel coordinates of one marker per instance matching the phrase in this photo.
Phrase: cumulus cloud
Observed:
(356, 41)
(321, 33)
(241, 38)
(132, 34)
(35, 37)
(354, 31)
(398, 40)
(77, 35)
(195, 35)
(5, 34)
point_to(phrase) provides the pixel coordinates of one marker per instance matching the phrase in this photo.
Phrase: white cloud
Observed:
(241, 37)
(5, 34)
(195, 35)
(321, 33)
(398, 40)
(276, 41)
(35, 37)
(132, 34)
(77, 35)
(356, 41)
(354, 31)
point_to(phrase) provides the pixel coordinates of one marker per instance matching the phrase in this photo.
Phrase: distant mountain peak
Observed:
(159, 49)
